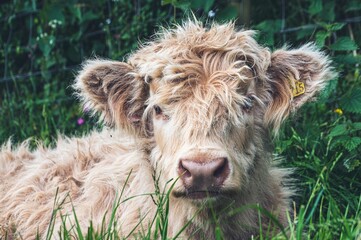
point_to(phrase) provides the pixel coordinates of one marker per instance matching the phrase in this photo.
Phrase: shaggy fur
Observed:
(192, 93)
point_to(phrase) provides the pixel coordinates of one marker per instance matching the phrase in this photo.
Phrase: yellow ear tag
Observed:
(299, 89)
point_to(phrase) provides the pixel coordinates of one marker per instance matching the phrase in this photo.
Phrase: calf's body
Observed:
(90, 173)
(189, 113)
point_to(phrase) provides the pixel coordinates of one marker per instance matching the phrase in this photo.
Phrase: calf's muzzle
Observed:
(203, 177)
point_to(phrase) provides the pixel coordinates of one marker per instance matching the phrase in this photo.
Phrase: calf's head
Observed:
(205, 99)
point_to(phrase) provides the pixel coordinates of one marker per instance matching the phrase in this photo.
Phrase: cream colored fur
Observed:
(220, 95)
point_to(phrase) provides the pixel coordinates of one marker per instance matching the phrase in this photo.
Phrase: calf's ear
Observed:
(295, 76)
(114, 90)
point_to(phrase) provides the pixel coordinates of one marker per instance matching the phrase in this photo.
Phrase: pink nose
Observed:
(204, 174)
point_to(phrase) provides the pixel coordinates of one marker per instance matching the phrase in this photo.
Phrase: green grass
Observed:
(109, 230)
(318, 218)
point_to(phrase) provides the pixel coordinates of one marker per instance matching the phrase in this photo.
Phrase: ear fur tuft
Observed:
(311, 67)
(114, 90)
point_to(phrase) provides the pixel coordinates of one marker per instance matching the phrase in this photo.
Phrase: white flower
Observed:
(211, 14)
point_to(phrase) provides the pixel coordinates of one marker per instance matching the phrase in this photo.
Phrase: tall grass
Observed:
(158, 227)
(311, 220)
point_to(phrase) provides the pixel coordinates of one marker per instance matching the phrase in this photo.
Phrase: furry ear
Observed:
(295, 76)
(115, 91)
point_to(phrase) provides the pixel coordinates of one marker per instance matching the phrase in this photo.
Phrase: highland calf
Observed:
(191, 112)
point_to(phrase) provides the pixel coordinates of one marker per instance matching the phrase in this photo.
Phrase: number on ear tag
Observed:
(299, 89)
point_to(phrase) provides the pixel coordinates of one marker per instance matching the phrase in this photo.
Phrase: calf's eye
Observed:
(157, 110)
(159, 113)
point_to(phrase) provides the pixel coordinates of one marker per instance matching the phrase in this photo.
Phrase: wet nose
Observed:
(203, 174)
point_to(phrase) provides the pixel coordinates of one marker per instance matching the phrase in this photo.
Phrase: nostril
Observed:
(183, 171)
(222, 169)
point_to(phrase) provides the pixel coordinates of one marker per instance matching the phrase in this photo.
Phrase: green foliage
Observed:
(351, 101)
(346, 136)
(42, 44)
(182, 4)
(344, 44)
(268, 29)
(315, 7)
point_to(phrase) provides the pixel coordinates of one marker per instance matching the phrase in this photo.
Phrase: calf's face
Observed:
(205, 99)
(203, 123)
